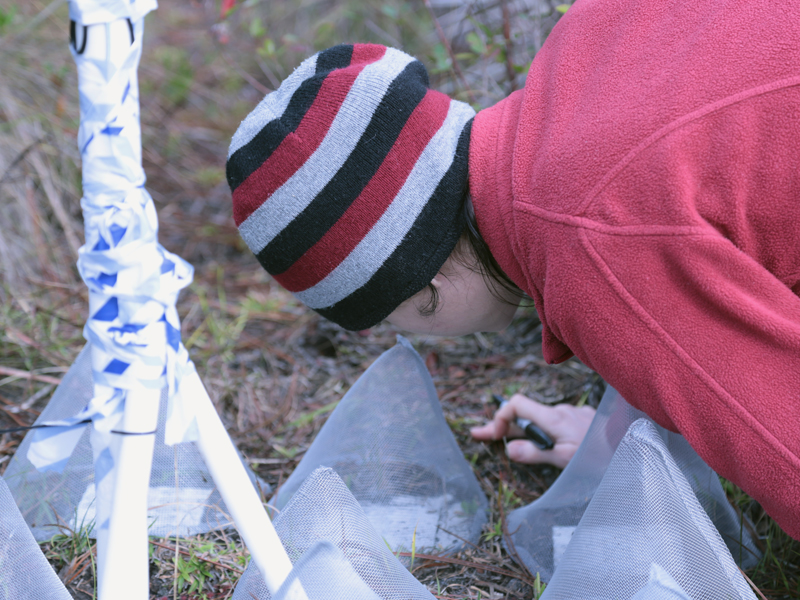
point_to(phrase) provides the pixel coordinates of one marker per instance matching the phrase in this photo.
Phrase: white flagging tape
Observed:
(133, 324)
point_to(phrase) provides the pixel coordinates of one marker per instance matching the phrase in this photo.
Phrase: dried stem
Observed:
(512, 73)
(20, 374)
(446, 44)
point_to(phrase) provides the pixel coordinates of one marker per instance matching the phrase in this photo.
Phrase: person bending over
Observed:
(643, 189)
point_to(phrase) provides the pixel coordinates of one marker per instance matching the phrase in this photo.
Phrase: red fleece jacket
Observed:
(644, 189)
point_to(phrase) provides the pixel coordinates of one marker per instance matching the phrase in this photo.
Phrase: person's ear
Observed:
(438, 281)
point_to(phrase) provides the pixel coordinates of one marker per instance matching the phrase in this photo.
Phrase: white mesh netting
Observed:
(182, 499)
(25, 573)
(645, 513)
(324, 572)
(541, 531)
(336, 551)
(389, 442)
(660, 586)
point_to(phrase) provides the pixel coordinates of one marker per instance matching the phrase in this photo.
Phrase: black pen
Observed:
(532, 432)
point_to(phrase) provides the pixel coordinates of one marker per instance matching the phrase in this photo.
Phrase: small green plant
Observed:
(494, 533)
(74, 552)
(193, 572)
(308, 418)
(538, 587)
(508, 496)
(413, 546)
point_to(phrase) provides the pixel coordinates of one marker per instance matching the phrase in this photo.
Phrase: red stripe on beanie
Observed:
(367, 53)
(340, 240)
(298, 146)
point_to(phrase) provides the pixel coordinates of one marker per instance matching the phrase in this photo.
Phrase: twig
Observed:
(273, 79)
(36, 397)
(512, 549)
(446, 44)
(466, 541)
(19, 158)
(752, 585)
(12, 415)
(20, 374)
(512, 74)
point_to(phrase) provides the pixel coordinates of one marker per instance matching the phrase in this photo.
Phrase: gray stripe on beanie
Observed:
(272, 106)
(355, 114)
(388, 232)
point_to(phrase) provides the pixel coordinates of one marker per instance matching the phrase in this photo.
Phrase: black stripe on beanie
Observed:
(254, 153)
(390, 116)
(337, 57)
(420, 255)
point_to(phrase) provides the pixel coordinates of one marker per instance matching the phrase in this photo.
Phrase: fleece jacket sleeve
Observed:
(695, 333)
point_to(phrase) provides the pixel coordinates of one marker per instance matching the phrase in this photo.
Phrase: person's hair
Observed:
(472, 251)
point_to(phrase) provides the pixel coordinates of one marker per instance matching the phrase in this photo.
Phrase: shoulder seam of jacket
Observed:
(678, 123)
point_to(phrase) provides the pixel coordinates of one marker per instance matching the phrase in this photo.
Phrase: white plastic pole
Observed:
(237, 491)
(126, 571)
(121, 498)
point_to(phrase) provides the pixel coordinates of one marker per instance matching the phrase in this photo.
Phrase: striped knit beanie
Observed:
(348, 181)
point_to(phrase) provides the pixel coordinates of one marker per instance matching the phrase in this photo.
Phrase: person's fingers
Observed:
(504, 422)
(543, 415)
(490, 431)
(496, 429)
(524, 451)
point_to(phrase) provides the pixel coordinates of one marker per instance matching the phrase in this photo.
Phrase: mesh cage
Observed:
(389, 442)
(352, 555)
(645, 513)
(660, 586)
(324, 572)
(183, 499)
(25, 573)
(541, 531)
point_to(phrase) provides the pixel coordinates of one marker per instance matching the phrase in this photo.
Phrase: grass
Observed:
(273, 369)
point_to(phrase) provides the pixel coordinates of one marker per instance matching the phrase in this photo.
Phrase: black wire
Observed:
(73, 40)
(84, 422)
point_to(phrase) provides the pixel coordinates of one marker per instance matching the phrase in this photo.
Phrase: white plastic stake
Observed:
(125, 574)
(237, 491)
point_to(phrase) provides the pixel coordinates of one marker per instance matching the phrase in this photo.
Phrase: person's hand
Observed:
(566, 424)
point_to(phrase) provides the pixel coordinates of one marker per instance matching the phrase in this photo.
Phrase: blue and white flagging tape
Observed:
(133, 282)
